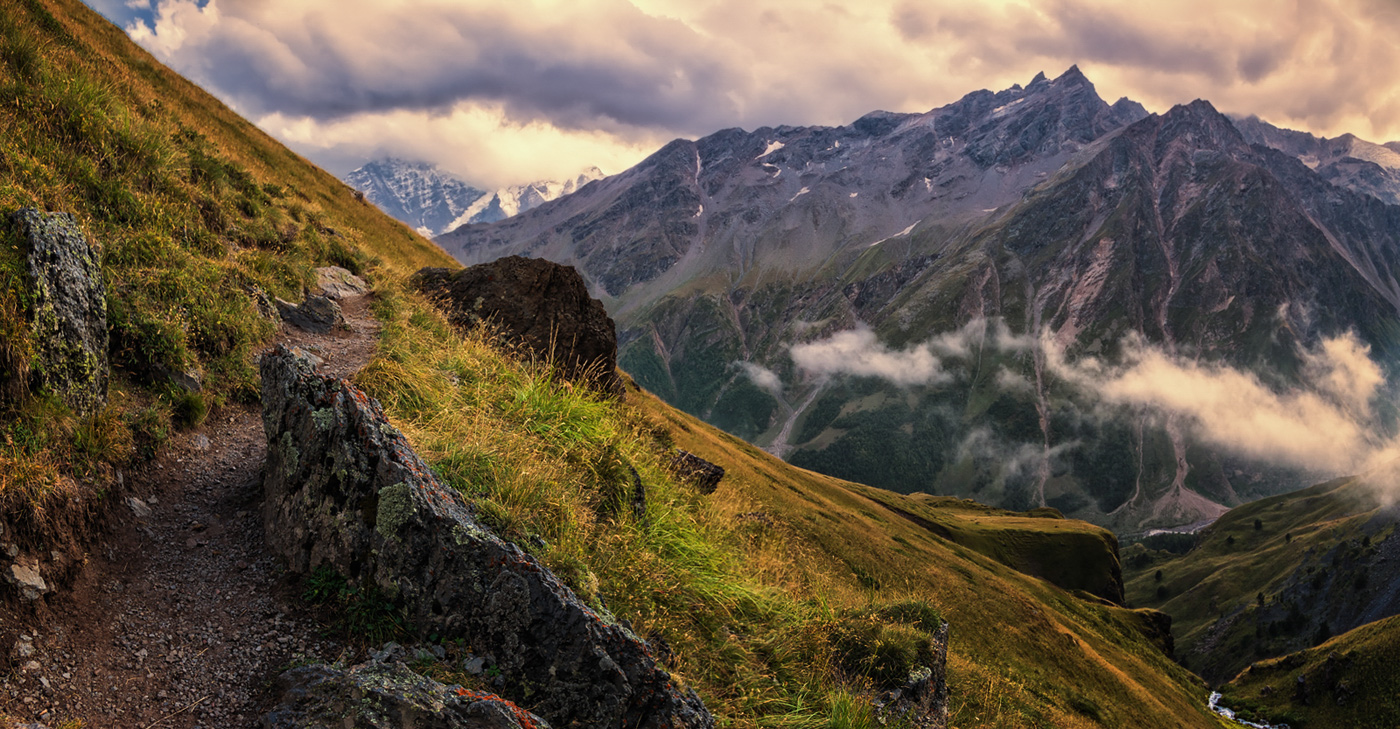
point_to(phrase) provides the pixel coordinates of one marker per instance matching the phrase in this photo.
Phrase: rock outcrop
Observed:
(382, 693)
(68, 315)
(537, 304)
(344, 489)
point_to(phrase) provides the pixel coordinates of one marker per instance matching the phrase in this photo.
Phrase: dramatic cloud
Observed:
(616, 78)
(1322, 426)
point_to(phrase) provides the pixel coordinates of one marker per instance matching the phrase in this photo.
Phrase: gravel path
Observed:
(181, 618)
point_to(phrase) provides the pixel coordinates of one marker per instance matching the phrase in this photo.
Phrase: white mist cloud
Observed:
(763, 377)
(859, 352)
(1324, 425)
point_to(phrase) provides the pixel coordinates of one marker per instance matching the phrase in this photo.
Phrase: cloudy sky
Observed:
(507, 92)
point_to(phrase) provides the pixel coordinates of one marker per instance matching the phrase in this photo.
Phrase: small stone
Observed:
(475, 665)
(138, 507)
(200, 442)
(33, 666)
(24, 646)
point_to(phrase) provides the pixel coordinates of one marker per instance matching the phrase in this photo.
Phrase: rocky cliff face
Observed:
(344, 489)
(999, 217)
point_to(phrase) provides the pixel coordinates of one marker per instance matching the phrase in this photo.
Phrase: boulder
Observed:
(698, 471)
(922, 702)
(318, 314)
(68, 316)
(339, 284)
(539, 305)
(384, 694)
(344, 489)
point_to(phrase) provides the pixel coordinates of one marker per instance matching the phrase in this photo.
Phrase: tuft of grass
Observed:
(362, 612)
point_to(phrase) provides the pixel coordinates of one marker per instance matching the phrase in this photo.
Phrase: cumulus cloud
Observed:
(1324, 425)
(648, 70)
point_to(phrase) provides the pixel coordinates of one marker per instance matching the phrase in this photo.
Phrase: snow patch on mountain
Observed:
(510, 201)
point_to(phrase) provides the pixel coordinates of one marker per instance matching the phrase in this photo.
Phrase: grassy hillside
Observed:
(1349, 682)
(193, 211)
(787, 598)
(1272, 577)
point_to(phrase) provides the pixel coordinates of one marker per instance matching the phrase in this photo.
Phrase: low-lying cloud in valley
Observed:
(1325, 424)
(858, 352)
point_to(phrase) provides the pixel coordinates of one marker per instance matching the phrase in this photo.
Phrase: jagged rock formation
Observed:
(537, 304)
(344, 490)
(382, 693)
(68, 314)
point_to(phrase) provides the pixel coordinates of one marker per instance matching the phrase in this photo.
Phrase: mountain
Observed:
(417, 193)
(433, 201)
(508, 201)
(1345, 161)
(912, 262)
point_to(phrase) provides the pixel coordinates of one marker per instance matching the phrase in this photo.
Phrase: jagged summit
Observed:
(434, 201)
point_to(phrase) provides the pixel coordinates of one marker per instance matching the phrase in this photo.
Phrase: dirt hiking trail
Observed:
(181, 618)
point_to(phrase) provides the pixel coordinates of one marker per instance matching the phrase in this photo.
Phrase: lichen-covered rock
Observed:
(539, 304)
(922, 702)
(344, 489)
(318, 314)
(339, 284)
(385, 694)
(68, 316)
(698, 471)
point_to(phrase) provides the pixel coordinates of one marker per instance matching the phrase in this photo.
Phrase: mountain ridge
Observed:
(722, 254)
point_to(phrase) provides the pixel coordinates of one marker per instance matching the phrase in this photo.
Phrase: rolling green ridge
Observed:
(1347, 682)
(1272, 577)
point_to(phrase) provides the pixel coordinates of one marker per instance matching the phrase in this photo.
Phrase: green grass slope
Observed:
(1271, 577)
(786, 598)
(193, 211)
(1348, 682)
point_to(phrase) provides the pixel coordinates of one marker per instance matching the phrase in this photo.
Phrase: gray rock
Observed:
(381, 694)
(344, 489)
(138, 507)
(24, 576)
(539, 305)
(922, 702)
(68, 316)
(698, 471)
(24, 647)
(318, 314)
(189, 380)
(339, 284)
(200, 442)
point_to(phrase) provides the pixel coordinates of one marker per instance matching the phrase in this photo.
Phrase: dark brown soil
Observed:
(180, 618)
